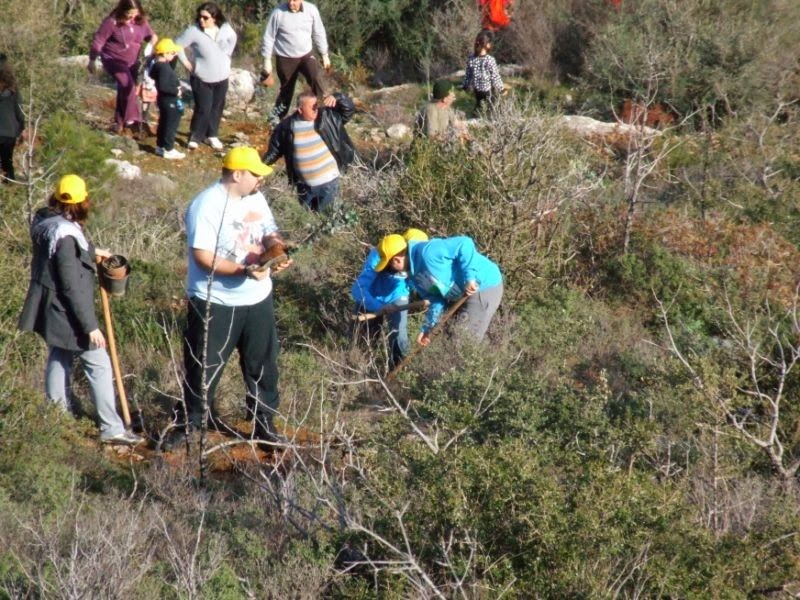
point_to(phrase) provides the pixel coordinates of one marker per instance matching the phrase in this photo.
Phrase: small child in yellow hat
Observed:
(169, 92)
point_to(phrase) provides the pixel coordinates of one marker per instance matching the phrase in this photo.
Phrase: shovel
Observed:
(112, 347)
(450, 312)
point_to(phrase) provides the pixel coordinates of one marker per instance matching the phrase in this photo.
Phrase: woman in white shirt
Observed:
(211, 41)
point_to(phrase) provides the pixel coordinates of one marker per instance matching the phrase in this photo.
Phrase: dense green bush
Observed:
(694, 56)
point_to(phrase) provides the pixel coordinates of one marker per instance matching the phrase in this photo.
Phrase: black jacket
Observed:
(329, 125)
(60, 301)
(12, 121)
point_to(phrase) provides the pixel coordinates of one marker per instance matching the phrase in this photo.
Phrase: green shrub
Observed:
(692, 56)
(72, 147)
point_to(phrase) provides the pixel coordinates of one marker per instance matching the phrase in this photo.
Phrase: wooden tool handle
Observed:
(437, 328)
(112, 348)
(393, 308)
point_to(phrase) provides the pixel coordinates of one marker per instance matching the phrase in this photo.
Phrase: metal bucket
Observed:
(114, 272)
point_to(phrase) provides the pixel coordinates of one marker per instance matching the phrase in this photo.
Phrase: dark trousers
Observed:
(317, 197)
(209, 102)
(168, 118)
(7, 156)
(288, 69)
(488, 97)
(249, 329)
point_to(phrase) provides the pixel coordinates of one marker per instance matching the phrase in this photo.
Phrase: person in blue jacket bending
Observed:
(373, 292)
(443, 270)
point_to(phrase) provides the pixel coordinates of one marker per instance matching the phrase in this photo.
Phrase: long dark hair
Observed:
(77, 213)
(124, 6)
(483, 39)
(212, 9)
(7, 79)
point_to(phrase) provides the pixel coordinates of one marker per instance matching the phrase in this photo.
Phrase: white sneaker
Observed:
(192, 145)
(173, 154)
(159, 151)
(214, 143)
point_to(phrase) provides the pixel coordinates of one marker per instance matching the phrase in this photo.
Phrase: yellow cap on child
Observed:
(166, 45)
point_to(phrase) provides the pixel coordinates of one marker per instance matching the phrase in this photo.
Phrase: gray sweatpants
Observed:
(97, 367)
(479, 309)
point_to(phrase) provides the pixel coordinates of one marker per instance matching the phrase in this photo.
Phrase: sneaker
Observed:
(173, 154)
(126, 438)
(214, 143)
(192, 145)
(159, 151)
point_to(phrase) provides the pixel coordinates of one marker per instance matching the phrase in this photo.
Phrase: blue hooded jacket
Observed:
(441, 268)
(372, 290)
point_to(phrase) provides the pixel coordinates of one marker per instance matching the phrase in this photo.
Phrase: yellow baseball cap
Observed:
(71, 190)
(166, 45)
(389, 246)
(245, 158)
(416, 235)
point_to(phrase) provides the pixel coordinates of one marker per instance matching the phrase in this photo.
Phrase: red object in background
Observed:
(637, 113)
(493, 14)
(615, 3)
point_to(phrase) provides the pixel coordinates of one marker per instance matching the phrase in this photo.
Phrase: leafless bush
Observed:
(98, 547)
(766, 347)
(456, 26)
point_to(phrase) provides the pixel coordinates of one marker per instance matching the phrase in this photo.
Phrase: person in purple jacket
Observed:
(118, 42)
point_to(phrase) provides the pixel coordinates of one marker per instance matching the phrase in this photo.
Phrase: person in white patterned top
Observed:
(482, 77)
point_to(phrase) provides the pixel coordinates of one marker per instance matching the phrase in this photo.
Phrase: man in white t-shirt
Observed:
(230, 301)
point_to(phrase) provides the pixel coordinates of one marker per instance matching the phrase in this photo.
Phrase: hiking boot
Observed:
(126, 438)
(173, 154)
(268, 433)
(192, 145)
(214, 143)
(217, 424)
(175, 439)
(159, 151)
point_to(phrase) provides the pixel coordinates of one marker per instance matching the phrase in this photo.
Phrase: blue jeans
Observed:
(97, 368)
(398, 331)
(394, 325)
(317, 197)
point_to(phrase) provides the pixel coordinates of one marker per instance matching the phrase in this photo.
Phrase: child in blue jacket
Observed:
(374, 291)
(443, 270)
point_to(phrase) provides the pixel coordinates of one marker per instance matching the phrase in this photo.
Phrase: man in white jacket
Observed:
(293, 31)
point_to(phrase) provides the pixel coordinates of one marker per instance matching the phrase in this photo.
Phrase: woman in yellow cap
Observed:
(60, 306)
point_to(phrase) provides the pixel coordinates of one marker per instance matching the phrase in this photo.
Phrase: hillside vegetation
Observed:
(629, 429)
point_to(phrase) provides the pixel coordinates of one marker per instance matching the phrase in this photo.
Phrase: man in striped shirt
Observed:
(315, 147)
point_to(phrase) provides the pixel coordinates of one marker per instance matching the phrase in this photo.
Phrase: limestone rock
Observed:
(125, 170)
(620, 136)
(398, 131)
(81, 60)
(241, 88)
(160, 184)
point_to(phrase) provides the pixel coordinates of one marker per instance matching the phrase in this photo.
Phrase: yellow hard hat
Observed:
(389, 246)
(416, 235)
(71, 190)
